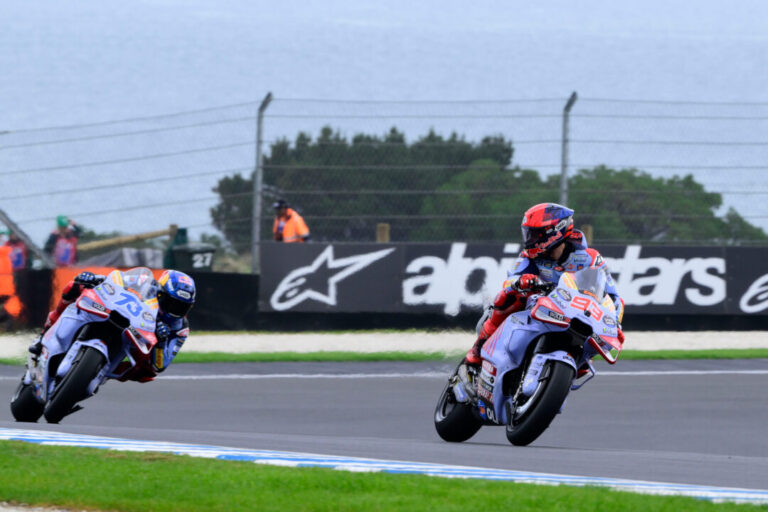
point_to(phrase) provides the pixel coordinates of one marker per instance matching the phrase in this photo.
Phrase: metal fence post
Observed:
(32, 246)
(564, 151)
(258, 178)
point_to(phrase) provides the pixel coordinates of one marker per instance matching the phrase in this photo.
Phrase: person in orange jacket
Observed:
(9, 301)
(288, 227)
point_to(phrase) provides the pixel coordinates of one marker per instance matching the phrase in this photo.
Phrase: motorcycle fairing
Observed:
(90, 303)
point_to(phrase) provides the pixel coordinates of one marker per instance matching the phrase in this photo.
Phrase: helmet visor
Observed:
(173, 306)
(532, 237)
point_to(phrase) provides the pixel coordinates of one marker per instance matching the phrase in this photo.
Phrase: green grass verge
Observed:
(88, 478)
(338, 331)
(271, 357)
(743, 353)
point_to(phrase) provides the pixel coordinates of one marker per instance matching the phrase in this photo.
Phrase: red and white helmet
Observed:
(545, 226)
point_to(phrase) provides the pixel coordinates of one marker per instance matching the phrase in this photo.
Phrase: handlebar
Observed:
(539, 288)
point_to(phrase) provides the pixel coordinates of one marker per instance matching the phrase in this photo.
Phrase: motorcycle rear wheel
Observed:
(24, 405)
(454, 421)
(546, 406)
(73, 387)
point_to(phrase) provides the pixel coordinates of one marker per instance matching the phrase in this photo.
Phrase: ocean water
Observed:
(66, 64)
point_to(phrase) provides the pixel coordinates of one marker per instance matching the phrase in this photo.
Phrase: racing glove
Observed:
(528, 281)
(162, 332)
(88, 279)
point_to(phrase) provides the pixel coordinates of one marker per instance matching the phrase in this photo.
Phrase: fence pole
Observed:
(564, 151)
(32, 246)
(258, 178)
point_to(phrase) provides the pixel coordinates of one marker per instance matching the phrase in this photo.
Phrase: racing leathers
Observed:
(527, 272)
(171, 332)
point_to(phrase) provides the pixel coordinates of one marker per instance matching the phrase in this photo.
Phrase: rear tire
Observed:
(454, 421)
(74, 385)
(24, 405)
(545, 408)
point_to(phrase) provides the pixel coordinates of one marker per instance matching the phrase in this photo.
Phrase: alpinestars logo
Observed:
(318, 280)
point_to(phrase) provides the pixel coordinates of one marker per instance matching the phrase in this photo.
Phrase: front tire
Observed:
(547, 402)
(74, 385)
(24, 405)
(455, 422)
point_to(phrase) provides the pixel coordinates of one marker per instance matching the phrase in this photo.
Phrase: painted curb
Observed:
(295, 459)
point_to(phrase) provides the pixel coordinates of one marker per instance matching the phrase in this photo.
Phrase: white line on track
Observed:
(685, 372)
(425, 375)
(441, 375)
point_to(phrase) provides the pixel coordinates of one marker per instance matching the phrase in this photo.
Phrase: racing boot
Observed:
(69, 295)
(506, 302)
(36, 348)
(473, 356)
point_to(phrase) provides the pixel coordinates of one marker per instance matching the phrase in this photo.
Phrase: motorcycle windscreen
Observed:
(141, 281)
(592, 281)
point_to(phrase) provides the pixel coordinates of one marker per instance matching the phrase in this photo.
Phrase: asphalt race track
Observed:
(673, 421)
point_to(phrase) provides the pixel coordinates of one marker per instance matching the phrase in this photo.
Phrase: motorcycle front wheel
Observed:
(24, 405)
(532, 418)
(454, 421)
(74, 385)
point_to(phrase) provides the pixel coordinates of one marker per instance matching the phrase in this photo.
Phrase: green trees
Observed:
(629, 205)
(446, 189)
(344, 187)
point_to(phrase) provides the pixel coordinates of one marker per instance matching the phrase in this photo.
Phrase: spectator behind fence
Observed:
(62, 243)
(289, 226)
(10, 305)
(18, 252)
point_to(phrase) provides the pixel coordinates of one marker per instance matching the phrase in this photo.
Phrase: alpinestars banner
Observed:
(460, 278)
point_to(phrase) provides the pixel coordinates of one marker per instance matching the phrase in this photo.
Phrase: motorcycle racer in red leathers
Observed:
(551, 247)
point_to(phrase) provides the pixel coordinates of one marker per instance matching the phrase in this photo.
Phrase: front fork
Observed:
(463, 385)
(532, 381)
(533, 375)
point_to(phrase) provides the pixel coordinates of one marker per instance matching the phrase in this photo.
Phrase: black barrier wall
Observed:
(455, 279)
(445, 285)
(33, 288)
(226, 302)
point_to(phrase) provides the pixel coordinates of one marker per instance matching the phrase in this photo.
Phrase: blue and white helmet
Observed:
(176, 295)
